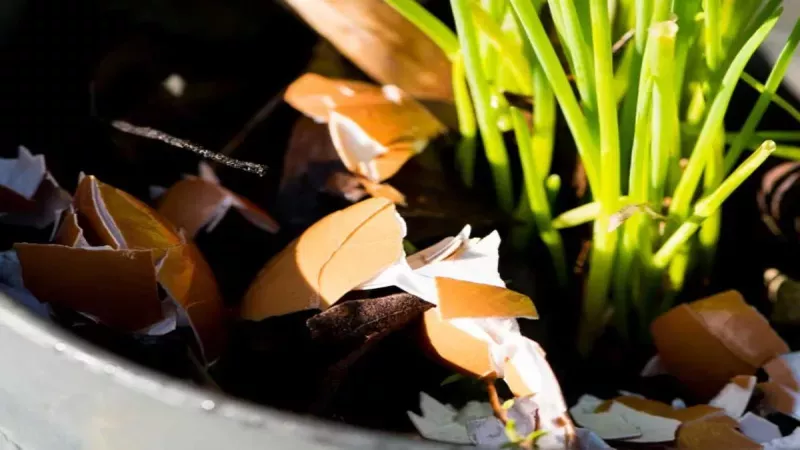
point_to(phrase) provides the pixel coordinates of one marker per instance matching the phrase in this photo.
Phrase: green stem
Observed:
(713, 37)
(666, 137)
(544, 121)
(545, 53)
(777, 99)
(710, 204)
(578, 49)
(632, 247)
(685, 41)
(775, 135)
(643, 13)
(465, 151)
(537, 197)
(583, 214)
(510, 53)
(437, 31)
(687, 185)
(768, 10)
(553, 185)
(481, 96)
(773, 82)
(790, 152)
(710, 230)
(604, 241)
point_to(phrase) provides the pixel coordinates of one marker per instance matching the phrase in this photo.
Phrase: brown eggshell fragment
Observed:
(706, 343)
(191, 203)
(713, 434)
(120, 220)
(388, 164)
(391, 123)
(255, 215)
(330, 258)
(377, 140)
(69, 232)
(459, 299)
(188, 279)
(201, 201)
(115, 218)
(656, 408)
(780, 372)
(780, 398)
(382, 190)
(315, 95)
(118, 287)
(382, 43)
(454, 346)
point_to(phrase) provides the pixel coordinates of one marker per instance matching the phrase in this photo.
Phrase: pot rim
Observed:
(184, 399)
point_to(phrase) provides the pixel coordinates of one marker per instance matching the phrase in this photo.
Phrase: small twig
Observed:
(622, 41)
(206, 379)
(523, 102)
(151, 133)
(494, 400)
(583, 255)
(262, 114)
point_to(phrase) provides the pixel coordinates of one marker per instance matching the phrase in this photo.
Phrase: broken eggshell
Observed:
(472, 334)
(29, 195)
(198, 202)
(375, 141)
(704, 345)
(633, 418)
(374, 130)
(11, 284)
(118, 287)
(329, 259)
(713, 433)
(440, 422)
(758, 428)
(382, 43)
(315, 95)
(734, 397)
(109, 232)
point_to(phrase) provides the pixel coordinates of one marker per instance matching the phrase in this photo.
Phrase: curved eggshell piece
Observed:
(660, 409)
(255, 215)
(455, 347)
(382, 190)
(118, 287)
(187, 277)
(392, 123)
(69, 232)
(388, 164)
(713, 434)
(330, 258)
(191, 203)
(120, 220)
(315, 95)
(461, 299)
(706, 343)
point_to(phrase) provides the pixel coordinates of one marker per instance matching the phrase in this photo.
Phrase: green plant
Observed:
(647, 125)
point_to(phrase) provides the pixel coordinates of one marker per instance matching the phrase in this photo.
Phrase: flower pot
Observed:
(60, 392)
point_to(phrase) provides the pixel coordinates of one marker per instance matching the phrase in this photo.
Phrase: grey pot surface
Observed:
(60, 392)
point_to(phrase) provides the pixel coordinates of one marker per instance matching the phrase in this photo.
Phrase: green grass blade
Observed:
(773, 82)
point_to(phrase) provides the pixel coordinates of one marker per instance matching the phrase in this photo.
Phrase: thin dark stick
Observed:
(519, 101)
(622, 41)
(494, 400)
(151, 133)
(262, 114)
